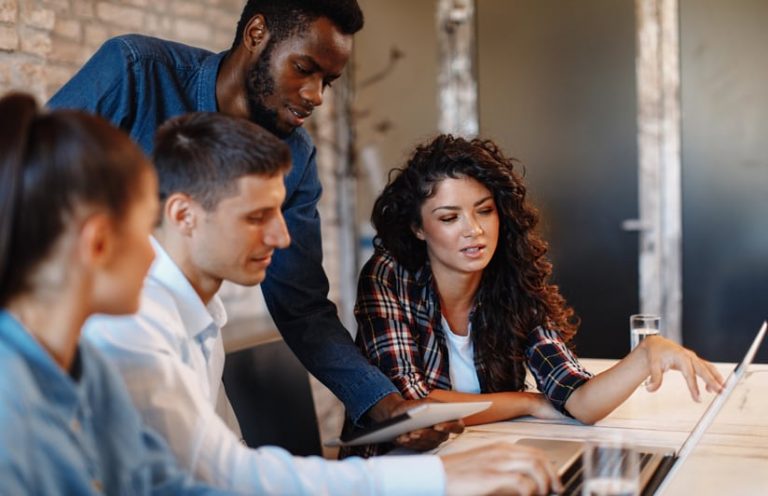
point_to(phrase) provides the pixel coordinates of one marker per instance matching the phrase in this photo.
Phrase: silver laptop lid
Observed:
(714, 408)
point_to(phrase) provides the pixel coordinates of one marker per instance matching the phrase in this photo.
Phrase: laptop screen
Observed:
(714, 408)
(717, 404)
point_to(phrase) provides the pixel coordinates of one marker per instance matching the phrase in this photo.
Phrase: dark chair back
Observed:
(270, 392)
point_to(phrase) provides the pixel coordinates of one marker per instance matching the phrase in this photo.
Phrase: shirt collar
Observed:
(58, 387)
(195, 316)
(206, 83)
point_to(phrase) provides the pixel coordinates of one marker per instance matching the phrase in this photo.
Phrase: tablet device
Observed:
(419, 417)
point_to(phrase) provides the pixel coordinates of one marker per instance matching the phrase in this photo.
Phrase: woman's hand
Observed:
(662, 355)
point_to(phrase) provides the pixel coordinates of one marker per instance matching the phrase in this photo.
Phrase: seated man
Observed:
(221, 188)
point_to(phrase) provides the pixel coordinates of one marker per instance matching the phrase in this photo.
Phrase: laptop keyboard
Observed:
(573, 478)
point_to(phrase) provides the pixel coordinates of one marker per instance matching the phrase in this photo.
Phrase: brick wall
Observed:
(43, 43)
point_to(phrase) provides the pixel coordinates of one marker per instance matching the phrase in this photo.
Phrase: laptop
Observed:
(657, 465)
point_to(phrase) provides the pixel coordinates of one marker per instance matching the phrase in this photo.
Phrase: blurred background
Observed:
(557, 89)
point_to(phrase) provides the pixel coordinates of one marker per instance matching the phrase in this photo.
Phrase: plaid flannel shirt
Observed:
(399, 330)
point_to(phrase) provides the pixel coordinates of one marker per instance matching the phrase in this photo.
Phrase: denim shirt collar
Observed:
(206, 83)
(54, 382)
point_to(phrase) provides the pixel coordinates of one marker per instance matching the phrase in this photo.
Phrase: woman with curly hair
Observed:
(456, 301)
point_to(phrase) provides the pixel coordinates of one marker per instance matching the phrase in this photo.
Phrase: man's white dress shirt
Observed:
(171, 356)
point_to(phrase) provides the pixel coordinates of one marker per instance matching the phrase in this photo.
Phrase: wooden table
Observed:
(731, 459)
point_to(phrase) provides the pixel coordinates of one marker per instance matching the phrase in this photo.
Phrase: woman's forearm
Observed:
(603, 393)
(505, 405)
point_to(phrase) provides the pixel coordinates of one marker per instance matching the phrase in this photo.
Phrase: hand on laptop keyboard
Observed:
(499, 468)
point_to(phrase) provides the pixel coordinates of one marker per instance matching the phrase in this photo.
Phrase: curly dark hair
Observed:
(285, 18)
(515, 295)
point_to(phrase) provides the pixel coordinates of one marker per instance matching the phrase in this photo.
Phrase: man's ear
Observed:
(181, 212)
(96, 240)
(256, 35)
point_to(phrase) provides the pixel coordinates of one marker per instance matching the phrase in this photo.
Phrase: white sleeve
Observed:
(168, 394)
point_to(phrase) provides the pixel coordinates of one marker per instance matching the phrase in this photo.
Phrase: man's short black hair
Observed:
(203, 154)
(285, 18)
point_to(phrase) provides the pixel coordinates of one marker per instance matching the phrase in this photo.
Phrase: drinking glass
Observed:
(610, 469)
(641, 326)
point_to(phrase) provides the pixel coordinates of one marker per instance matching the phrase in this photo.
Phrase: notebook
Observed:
(657, 465)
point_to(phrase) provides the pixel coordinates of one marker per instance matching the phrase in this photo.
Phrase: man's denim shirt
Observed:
(138, 82)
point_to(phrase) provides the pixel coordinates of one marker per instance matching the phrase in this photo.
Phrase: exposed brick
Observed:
(192, 31)
(68, 28)
(141, 3)
(9, 38)
(9, 9)
(126, 17)
(117, 31)
(39, 18)
(222, 19)
(5, 72)
(190, 9)
(36, 42)
(95, 35)
(56, 76)
(30, 77)
(69, 52)
(31, 71)
(61, 6)
(158, 25)
(221, 41)
(83, 8)
(233, 5)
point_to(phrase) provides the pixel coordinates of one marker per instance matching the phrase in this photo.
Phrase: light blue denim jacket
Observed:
(61, 435)
(138, 82)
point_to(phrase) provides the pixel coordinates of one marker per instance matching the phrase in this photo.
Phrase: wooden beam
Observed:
(457, 88)
(659, 183)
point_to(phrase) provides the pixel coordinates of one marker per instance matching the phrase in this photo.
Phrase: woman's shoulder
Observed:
(382, 265)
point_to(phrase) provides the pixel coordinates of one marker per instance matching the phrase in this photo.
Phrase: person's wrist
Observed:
(531, 403)
(385, 406)
(644, 349)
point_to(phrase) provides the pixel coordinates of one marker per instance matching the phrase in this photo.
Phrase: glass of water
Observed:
(610, 469)
(641, 326)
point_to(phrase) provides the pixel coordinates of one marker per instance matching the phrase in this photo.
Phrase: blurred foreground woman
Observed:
(77, 204)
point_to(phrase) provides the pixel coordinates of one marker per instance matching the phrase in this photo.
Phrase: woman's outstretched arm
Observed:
(599, 396)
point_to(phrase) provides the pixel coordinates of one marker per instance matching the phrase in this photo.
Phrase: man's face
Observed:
(287, 81)
(235, 241)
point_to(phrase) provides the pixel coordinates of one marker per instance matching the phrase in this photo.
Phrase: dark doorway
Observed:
(557, 90)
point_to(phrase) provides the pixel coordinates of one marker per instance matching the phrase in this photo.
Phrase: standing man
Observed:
(285, 54)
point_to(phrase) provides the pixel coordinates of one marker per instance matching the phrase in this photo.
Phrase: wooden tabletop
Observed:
(732, 458)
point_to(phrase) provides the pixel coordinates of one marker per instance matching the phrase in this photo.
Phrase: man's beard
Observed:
(259, 84)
